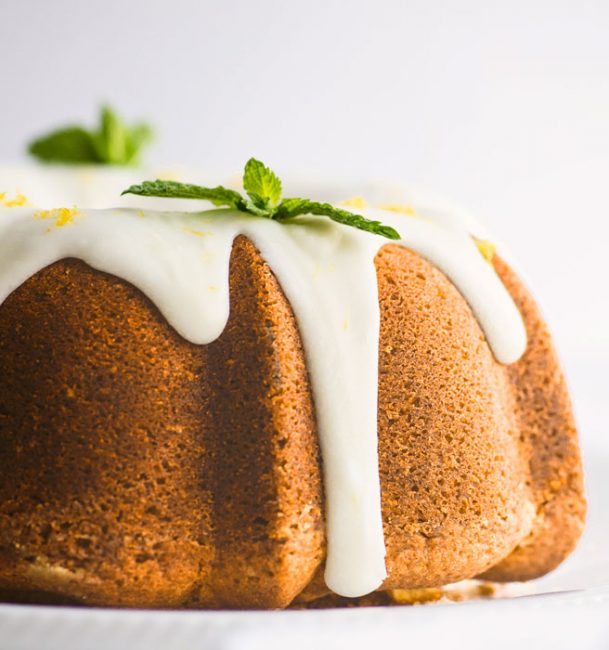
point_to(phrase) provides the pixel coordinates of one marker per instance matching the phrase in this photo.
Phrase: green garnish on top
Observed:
(263, 199)
(112, 143)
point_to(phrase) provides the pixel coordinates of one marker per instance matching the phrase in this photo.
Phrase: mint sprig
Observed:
(261, 184)
(220, 196)
(112, 143)
(263, 189)
(290, 208)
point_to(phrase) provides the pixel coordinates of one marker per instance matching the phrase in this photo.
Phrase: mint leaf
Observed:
(111, 138)
(69, 145)
(115, 142)
(140, 135)
(264, 192)
(112, 143)
(261, 184)
(290, 208)
(175, 190)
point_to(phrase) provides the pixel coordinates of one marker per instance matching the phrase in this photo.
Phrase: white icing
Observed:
(95, 186)
(181, 262)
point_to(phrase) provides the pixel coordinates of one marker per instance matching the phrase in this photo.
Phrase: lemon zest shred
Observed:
(486, 248)
(357, 202)
(86, 177)
(62, 216)
(197, 233)
(168, 175)
(405, 209)
(66, 216)
(19, 201)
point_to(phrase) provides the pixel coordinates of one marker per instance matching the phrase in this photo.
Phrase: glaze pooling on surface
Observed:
(181, 262)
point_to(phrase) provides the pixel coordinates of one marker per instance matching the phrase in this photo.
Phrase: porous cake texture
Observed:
(138, 469)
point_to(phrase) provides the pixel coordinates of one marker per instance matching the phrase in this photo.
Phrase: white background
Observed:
(501, 106)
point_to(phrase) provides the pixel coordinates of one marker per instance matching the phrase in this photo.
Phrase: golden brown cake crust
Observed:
(493, 458)
(446, 433)
(138, 469)
(141, 470)
(549, 436)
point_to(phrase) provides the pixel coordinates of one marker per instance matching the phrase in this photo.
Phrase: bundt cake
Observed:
(216, 410)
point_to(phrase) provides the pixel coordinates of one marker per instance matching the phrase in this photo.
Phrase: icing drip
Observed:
(181, 262)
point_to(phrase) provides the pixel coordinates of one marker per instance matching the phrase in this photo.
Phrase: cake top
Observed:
(325, 267)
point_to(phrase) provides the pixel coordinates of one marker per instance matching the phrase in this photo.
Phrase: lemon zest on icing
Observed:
(486, 248)
(168, 175)
(62, 216)
(357, 202)
(19, 201)
(86, 177)
(405, 209)
(197, 233)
